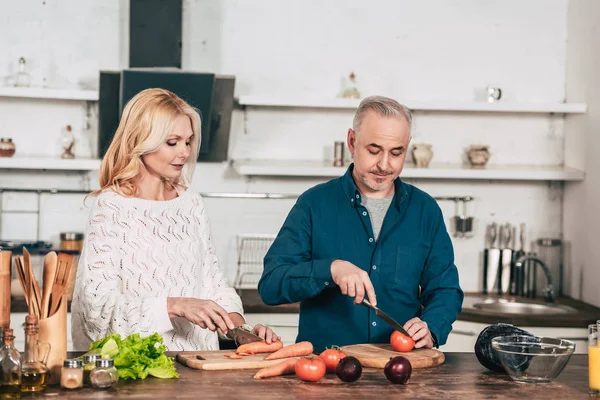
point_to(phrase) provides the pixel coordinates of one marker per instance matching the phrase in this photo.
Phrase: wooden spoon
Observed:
(49, 274)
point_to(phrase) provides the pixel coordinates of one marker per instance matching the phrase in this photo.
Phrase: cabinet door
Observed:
(463, 336)
(577, 335)
(284, 325)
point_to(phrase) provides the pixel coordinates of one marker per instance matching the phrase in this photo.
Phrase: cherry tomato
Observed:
(401, 342)
(332, 357)
(310, 368)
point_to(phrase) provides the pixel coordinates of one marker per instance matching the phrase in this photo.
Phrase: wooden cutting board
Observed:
(216, 360)
(377, 355)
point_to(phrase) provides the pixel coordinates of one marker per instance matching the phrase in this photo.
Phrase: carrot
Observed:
(233, 356)
(294, 350)
(259, 347)
(286, 367)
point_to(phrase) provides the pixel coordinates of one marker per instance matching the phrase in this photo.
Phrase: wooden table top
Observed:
(460, 377)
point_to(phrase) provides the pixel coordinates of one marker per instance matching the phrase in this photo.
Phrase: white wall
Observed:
(581, 216)
(410, 50)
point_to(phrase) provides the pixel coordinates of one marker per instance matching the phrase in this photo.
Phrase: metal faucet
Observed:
(549, 289)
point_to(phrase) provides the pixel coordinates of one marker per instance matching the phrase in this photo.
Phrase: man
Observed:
(366, 235)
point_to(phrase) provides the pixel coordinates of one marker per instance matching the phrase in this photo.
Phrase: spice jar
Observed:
(71, 241)
(7, 147)
(105, 374)
(71, 375)
(89, 363)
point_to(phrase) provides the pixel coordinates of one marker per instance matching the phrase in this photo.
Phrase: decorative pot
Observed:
(422, 155)
(7, 148)
(478, 155)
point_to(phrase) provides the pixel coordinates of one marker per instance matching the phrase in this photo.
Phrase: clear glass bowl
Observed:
(533, 359)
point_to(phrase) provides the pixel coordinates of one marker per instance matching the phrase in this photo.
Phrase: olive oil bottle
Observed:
(34, 373)
(10, 367)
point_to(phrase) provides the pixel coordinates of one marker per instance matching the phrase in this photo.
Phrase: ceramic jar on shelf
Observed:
(7, 147)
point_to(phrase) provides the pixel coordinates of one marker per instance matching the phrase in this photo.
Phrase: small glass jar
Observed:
(89, 363)
(71, 374)
(71, 241)
(105, 374)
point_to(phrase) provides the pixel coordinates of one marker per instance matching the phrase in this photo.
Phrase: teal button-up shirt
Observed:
(411, 265)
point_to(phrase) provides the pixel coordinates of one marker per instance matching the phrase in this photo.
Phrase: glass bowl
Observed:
(533, 359)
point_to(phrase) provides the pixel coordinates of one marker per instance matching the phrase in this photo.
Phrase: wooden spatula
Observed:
(35, 295)
(49, 273)
(61, 280)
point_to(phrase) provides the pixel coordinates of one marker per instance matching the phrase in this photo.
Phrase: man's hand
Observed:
(353, 281)
(420, 333)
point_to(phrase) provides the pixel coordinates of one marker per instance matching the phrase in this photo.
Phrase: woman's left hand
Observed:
(265, 332)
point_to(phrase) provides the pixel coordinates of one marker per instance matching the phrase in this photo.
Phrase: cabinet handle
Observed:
(464, 333)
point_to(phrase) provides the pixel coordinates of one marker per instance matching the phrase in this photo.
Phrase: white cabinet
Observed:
(464, 335)
(16, 322)
(284, 325)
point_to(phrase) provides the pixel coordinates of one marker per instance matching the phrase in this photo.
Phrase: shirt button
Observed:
(364, 213)
(374, 323)
(357, 196)
(370, 240)
(326, 283)
(352, 200)
(374, 266)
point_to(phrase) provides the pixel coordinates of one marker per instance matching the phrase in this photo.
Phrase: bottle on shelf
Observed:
(22, 77)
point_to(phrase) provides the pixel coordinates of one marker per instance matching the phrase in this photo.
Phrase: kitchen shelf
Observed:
(352, 104)
(279, 168)
(55, 94)
(49, 163)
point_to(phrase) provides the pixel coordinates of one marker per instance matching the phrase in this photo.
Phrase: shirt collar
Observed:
(354, 196)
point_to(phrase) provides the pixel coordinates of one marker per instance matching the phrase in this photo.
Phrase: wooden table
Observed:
(461, 377)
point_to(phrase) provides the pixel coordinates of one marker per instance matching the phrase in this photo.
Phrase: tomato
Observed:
(310, 368)
(332, 357)
(401, 342)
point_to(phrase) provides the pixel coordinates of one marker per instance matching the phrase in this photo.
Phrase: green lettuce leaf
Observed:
(136, 357)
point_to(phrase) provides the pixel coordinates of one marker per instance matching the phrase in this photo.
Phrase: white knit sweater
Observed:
(136, 254)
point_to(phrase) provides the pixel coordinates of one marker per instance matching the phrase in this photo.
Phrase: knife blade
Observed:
(242, 336)
(389, 320)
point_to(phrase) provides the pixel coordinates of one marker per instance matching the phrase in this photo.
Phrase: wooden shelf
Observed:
(55, 94)
(49, 163)
(316, 169)
(351, 104)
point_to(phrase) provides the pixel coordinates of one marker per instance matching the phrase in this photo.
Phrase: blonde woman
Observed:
(148, 263)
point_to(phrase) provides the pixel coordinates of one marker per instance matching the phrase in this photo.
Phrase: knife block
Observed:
(53, 330)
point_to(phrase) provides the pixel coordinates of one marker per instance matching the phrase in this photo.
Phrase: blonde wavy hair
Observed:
(145, 125)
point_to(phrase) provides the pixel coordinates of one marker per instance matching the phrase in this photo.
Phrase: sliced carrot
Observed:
(233, 356)
(294, 350)
(245, 354)
(286, 367)
(259, 347)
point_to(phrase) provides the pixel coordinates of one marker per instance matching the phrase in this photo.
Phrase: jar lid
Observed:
(105, 362)
(72, 363)
(71, 236)
(88, 358)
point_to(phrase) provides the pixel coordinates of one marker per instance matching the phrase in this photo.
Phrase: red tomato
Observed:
(310, 368)
(401, 342)
(332, 357)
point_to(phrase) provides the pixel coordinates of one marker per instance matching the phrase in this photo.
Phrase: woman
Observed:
(148, 263)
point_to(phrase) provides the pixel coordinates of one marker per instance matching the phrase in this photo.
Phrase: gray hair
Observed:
(383, 106)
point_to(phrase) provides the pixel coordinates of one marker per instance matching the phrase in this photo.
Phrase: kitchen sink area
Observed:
(515, 306)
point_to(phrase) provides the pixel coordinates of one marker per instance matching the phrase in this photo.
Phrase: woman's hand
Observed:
(265, 332)
(204, 313)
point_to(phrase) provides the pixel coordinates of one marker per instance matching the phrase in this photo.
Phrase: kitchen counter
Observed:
(586, 314)
(460, 377)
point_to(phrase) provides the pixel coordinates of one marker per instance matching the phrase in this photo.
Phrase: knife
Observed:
(390, 321)
(242, 336)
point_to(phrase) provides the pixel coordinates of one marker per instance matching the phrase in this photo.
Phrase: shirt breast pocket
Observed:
(410, 261)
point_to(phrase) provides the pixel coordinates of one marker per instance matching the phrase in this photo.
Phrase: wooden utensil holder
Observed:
(53, 330)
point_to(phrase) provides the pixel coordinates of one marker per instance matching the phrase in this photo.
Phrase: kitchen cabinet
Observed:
(285, 325)
(53, 94)
(464, 335)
